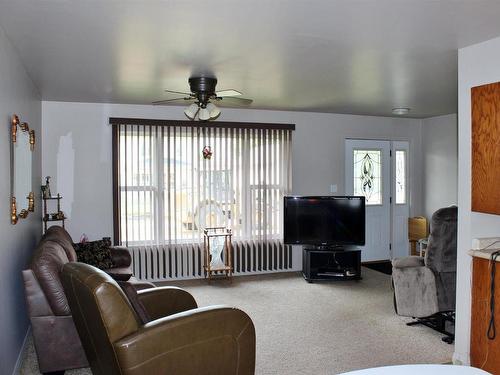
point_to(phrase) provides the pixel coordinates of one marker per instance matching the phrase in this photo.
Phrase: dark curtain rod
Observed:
(198, 124)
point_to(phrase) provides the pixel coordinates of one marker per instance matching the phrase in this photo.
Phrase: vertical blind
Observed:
(166, 192)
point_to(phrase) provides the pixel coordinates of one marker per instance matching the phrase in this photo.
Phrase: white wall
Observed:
(17, 95)
(477, 65)
(77, 152)
(440, 164)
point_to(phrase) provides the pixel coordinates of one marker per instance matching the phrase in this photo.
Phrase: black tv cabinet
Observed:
(331, 264)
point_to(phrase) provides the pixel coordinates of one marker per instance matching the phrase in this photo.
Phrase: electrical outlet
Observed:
(333, 188)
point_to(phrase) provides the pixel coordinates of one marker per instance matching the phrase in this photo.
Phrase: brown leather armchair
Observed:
(56, 340)
(211, 340)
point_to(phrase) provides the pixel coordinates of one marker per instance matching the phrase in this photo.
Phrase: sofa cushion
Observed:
(120, 256)
(131, 293)
(441, 253)
(411, 261)
(119, 273)
(58, 234)
(47, 264)
(95, 253)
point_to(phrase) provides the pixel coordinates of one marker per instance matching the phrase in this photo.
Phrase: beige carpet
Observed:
(322, 328)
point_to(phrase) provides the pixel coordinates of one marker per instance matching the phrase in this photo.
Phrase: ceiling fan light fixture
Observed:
(202, 92)
(191, 111)
(204, 114)
(400, 111)
(213, 110)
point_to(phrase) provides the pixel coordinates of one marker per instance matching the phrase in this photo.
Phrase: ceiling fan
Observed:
(202, 94)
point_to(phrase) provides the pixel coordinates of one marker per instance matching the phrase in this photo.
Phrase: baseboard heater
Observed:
(185, 261)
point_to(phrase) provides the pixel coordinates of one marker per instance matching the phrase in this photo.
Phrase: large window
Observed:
(167, 192)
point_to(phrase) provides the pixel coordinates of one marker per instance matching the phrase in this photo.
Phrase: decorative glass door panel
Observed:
(400, 176)
(367, 171)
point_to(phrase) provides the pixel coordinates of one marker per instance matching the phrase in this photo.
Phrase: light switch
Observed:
(333, 188)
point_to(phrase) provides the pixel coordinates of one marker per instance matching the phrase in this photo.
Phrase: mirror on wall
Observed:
(23, 143)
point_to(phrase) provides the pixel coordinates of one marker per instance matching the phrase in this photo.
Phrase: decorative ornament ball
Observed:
(207, 152)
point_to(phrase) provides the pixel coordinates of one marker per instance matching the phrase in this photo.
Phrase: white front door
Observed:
(368, 173)
(379, 171)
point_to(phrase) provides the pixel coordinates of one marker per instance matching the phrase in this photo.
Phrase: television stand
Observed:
(331, 264)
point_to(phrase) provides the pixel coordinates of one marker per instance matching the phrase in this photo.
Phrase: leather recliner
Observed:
(56, 340)
(179, 339)
(427, 286)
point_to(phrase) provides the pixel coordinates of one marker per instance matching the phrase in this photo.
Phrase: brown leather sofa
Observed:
(213, 340)
(56, 340)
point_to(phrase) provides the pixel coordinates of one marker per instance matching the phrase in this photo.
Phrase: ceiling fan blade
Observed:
(178, 92)
(171, 100)
(225, 93)
(230, 100)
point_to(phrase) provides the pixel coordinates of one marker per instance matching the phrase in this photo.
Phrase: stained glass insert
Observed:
(368, 175)
(400, 177)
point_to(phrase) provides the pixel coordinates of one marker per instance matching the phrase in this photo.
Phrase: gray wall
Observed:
(77, 152)
(440, 153)
(477, 65)
(17, 95)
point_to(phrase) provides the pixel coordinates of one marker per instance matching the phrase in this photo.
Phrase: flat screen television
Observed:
(324, 220)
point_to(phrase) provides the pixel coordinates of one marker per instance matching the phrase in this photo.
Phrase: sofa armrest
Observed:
(411, 261)
(120, 256)
(164, 301)
(36, 300)
(217, 338)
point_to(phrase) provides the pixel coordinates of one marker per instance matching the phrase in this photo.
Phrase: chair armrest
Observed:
(164, 301)
(216, 340)
(120, 256)
(412, 261)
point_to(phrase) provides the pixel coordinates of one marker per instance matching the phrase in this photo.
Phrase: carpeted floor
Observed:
(322, 328)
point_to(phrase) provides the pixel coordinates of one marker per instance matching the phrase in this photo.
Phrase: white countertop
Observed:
(485, 254)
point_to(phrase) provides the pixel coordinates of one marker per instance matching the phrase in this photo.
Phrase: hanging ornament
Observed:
(207, 152)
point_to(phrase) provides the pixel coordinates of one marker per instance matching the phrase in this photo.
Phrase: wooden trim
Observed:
(199, 124)
(116, 192)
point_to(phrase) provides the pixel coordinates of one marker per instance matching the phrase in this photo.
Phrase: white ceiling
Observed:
(344, 56)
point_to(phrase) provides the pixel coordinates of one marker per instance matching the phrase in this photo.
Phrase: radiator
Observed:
(176, 262)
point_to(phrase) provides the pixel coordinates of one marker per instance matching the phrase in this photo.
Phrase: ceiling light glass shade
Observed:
(213, 110)
(400, 111)
(204, 114)
(191, 111)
